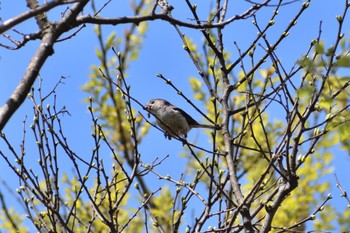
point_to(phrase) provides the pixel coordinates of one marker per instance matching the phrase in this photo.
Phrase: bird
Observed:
(173, 120)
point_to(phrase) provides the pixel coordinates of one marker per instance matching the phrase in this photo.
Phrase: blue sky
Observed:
(162, 53)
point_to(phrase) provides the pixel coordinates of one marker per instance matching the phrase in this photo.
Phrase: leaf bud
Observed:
(306, 4)
(339, 18)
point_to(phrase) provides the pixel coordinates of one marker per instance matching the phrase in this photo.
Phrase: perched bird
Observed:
(173, 120)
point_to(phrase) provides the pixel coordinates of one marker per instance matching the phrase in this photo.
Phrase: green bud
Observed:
(250, 53)
(328, 116)
(318, 107)
(221, 172)
(285, 34)
(306, 4)
(339, 18)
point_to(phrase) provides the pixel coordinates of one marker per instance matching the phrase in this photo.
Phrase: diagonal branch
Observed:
(44, 51)
(8, 24)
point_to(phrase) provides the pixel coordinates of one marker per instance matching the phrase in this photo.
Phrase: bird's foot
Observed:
(166, 135)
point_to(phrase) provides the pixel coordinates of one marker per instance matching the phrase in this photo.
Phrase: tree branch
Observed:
(44, 51)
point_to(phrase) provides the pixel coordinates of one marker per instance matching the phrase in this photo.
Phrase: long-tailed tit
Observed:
(173, 120)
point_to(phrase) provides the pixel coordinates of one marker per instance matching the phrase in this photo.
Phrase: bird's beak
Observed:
(147, 108)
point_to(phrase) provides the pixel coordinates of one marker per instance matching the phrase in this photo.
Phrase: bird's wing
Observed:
(191, 122)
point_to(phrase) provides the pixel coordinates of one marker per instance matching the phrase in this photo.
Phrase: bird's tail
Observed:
(207, 126)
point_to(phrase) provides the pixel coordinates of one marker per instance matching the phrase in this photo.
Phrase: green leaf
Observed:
(326, 103)
(99, 54)
(195, 84)
(319, 48)
(330, 51)
(110, 40)
(343, 62)
(97, 30)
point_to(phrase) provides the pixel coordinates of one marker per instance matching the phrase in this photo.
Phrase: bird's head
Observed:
(154, 105)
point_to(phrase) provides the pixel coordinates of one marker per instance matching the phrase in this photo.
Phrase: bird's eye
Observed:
(152, 102)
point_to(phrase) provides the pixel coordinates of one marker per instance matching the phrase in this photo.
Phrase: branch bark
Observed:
(50, 36)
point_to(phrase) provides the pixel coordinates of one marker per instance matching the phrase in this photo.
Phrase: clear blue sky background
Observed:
(162, 53)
